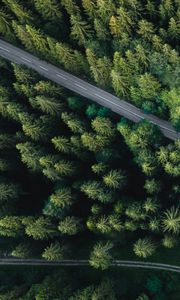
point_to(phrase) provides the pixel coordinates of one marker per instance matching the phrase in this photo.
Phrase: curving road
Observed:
(115, 263)
(84, 88)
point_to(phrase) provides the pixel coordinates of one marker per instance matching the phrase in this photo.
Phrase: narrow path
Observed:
(84, 88)
(65, 263)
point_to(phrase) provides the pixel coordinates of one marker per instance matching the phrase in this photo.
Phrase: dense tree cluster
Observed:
(71, 284)
(94, 176)
(128, 46)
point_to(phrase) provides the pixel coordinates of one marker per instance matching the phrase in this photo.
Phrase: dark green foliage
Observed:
(90, 180)
(100, 256)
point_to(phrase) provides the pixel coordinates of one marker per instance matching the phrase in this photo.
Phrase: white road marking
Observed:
(119, 106)
(161, 126)
(61, 76)
(81, 86)
(26, 59)
(133, 113)
(5, 49)
(43, 68)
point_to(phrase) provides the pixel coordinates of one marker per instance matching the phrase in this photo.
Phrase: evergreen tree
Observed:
(54, 252)
(23, 15)
(65, 168)
(135, 212)
(37, 129)
(144, 247)
(171, 220)
(70, 225)
(5, 25)
(150, 205)
(103, 225)
(89, 7)
(73, 122)
(22, 250)
(80, 29)
(152, 186)
(49, 9)
(115, 179)
(99, 168)
(30, 155)
(40, 228)
(169, 241)
(103, 126)
(100, 256)
(70, 6)
(48, 88)
(170, 159)
(47, 105)
(23, 35)
(62, 144)
(9, 191)
(11, 226)
(62, 197)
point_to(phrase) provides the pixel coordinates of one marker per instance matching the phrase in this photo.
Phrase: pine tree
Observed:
(90, 8)
(150, 205)
(169, 241)
(9, 191)
(171, 220)
(101, 31)
(62, 144)
(99, 67)
(38, 39)
(54, 252)
(154, 224)
(40, 228)
(94, 142)
(62, 197)
(105, 9)
(75, 124)
(49, 9)
(48, 105)
(30, 155)
(22, 250)
(38, 129)
(100, 256)
(65, 168)
(144, 247)
(115, 179)
(152, 186)
(103, 126)
(23, 15)
(99, 168)
(70, 225)
(92, 189)
(11, 226)
(80, 30)
(5, 25)
(170, 159)
(48, 88)
(23, 35)
(70, 6)
(103, 225)
(146, 29)
(115, 222)
(135, 212)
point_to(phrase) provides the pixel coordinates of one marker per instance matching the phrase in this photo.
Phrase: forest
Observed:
(76, 180)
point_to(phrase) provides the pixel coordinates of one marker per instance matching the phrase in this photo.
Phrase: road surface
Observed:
(116, 263)
(84, 88)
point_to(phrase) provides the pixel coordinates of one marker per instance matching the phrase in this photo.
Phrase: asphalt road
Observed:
(66, 263)
(84, 88)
